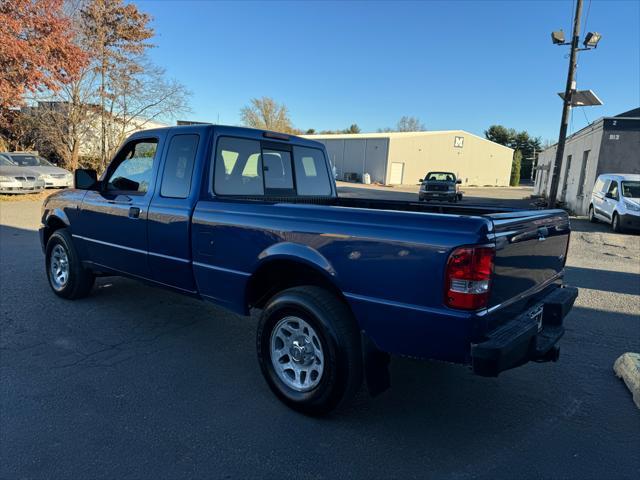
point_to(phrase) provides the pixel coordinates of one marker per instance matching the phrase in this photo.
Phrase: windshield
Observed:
(5, 162)
(31, 161)
(440, 177)
(631, 189)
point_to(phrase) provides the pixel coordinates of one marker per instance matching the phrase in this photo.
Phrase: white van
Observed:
(616, 200)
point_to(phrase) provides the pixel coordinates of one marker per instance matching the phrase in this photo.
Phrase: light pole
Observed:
(591, 41)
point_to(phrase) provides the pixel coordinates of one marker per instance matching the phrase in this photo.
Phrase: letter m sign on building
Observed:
(458, 142)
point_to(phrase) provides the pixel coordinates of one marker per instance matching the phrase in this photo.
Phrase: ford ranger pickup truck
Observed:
(251, 219)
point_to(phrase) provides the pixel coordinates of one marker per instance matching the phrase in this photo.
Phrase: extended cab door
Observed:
(169, 220)
(113, 220)
(235, 222)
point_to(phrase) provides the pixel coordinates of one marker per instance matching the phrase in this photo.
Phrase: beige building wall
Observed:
(474, 160)
(410, 155)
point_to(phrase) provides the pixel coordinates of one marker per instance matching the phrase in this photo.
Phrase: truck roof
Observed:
(244, 132)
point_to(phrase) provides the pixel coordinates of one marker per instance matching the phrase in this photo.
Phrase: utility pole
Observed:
(566, 107)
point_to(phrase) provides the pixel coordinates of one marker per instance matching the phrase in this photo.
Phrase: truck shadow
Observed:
(604, 280)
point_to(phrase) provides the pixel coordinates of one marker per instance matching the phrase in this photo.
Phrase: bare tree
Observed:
(92, 115)
(406, 124)
(141, 95)
(114, 31)
(410, 124)
(64, 120)
(265, 113)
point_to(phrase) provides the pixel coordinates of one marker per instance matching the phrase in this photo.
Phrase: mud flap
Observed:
(376, 367)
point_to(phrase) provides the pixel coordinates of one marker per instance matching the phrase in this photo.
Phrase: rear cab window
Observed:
(245, 167)
(238, 167)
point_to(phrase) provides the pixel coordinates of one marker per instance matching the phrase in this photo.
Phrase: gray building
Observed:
(397, 158)
(608, 145)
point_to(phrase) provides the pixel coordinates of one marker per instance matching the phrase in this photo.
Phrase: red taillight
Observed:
(468, 277)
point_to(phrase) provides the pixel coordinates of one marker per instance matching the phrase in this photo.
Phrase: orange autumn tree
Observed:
(37, 49)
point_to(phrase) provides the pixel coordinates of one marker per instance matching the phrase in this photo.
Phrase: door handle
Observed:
(134, 212)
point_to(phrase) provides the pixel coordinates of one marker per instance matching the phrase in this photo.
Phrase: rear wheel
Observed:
(592, 215)
(309, 349)
(67, 277)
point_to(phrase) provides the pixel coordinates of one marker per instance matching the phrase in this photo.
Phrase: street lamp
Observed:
(558, 37)
(590, 41)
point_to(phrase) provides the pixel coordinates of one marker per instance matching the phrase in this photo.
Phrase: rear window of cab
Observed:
(245, 167)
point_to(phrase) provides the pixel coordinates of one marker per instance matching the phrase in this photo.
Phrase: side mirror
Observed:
(459, 182)
(85, 179)
(421, 180)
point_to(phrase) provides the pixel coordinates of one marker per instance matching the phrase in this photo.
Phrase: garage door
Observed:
(396, 173)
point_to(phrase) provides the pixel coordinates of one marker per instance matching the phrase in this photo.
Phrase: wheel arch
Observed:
(287, 265)
(54, 221)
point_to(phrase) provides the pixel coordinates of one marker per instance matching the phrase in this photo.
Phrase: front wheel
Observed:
(592, 215)
(67, 277)
(309, 349)
(615, 223)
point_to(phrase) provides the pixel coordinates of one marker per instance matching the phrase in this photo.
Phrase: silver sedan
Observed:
(15, 179)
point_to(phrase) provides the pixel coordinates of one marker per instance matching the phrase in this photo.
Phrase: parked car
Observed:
(616, 200)
(54, 177)
(15, 179)
(440, 186)
(250, 219)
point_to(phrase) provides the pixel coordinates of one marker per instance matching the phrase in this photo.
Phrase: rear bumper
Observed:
(525, 338)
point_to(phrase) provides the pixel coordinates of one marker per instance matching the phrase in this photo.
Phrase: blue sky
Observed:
(455, 65)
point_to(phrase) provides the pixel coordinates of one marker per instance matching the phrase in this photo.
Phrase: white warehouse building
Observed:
(397, 158)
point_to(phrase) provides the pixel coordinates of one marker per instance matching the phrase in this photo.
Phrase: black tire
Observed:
(80, 280)
(615, 223)
(340, 340)
(592, 215)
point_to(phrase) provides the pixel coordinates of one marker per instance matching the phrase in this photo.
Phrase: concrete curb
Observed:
(627, 367)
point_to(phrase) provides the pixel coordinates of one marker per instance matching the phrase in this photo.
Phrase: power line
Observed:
(573, 8)
(586, 19)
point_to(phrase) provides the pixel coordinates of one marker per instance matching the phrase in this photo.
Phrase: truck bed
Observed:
(406, 206)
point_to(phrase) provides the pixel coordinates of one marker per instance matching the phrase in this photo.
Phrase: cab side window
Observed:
(613, 190)
(134, 167)
(178, 168)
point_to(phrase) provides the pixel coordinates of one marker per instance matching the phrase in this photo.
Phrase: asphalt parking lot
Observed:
(135, 382)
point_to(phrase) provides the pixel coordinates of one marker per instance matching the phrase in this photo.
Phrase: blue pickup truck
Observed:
(251, 219)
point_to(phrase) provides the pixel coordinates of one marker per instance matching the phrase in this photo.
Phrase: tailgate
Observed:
(531, 248)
